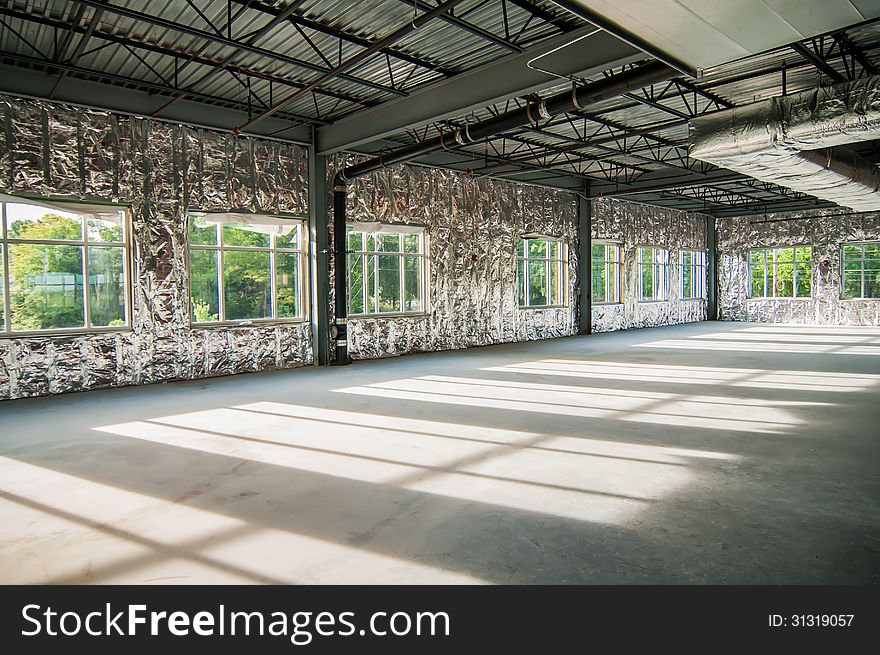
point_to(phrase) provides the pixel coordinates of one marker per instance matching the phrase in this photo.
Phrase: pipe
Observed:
(574, 100)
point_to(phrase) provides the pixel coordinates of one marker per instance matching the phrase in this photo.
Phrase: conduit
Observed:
(576, 99)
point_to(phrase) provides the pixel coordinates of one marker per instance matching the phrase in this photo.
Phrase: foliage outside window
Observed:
(541, 272)
(693, 274)
(245, 268)
(781, 272)
(861, 270)
(62, 270)
(386, 271)
(653, 269)
(606, 272)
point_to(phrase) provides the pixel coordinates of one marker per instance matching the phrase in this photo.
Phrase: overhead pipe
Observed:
(577, 99)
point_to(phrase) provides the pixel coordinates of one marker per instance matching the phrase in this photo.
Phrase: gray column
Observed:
(585, 265)
(711, 269)
(319, 260)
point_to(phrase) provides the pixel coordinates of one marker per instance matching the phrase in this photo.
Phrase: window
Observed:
(606, 272)
(693, 274)
(861, 270)
(245, 268)
(64, 266)
(386, 270)
(541, 272)
(653, 274)
(781, 272)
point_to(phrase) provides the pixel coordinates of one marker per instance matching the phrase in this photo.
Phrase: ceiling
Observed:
(370, 76)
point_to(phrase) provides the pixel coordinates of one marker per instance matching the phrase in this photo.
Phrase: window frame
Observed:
(618, 267)
(699, 271)
(655, 267)
(421, 254)
(219, 248)
(125, 245)
(562, 261)
(795, 275)
(842, 254)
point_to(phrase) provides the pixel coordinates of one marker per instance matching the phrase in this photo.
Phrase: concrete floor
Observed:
(705, 453)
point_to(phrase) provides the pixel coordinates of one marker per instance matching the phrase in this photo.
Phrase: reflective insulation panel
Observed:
(159, 170)
(472, 227)
(633, 225)
(826, 230)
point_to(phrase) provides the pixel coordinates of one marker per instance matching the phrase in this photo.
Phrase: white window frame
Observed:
(659, 274)
(613, 268)
(861, 260)
(220, 248)
(558, 263)
(85, 243)
(368, 229)
(697, 268)
(795, 275)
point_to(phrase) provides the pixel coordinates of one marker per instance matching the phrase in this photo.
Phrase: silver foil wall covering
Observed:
(160, 171)
(825, 230)
(472, 226)
(633, 225)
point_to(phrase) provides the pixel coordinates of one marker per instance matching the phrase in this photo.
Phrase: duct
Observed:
(794, 141)
(159, 170)
(576, 99)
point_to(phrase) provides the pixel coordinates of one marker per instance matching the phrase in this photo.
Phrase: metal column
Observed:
(319, 260)
(585, 265)
(711, 270)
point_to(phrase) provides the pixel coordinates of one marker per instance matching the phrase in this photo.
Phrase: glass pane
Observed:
(355, 241)
(599, 272)
(852, 252)
(538, 281)
(287, 288)
(555, 283)
(520, 248)
(614, 252)
(804, 277)
(598, 251)
(106, 286)
(555, 250)
(204, 286)
(758, 290)
(852, 265)
(46, 286)
(32, 222)
(201, 234)
(388, 242)
(783, 283)
(372, 301)
(537, 248)
(646, 255)
(290, 238)
(356, 284)
(411, 243)
(521, 281)
(852, 284)
(687, 286)
(247, 288)
(872, 284)
(412, 287)
(756, 256)
(612, 282)
(107, 228)
(244, 235)
(388, 272)
(686, 257)
(784, 255)
(804, 254)
(872, 251)
(647, 282)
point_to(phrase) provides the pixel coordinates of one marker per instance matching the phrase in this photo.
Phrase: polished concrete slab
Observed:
(703, 453)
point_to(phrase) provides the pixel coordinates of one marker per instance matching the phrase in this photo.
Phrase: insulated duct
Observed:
(577, 98)
(794, 141)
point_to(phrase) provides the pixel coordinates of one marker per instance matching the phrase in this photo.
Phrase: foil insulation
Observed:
(825, 230)
(472, 228)
(634, 225)
(161, 171)
(775, 141)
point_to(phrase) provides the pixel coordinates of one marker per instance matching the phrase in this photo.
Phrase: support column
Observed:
(711, 269)
(319, 259)
(585, 263)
